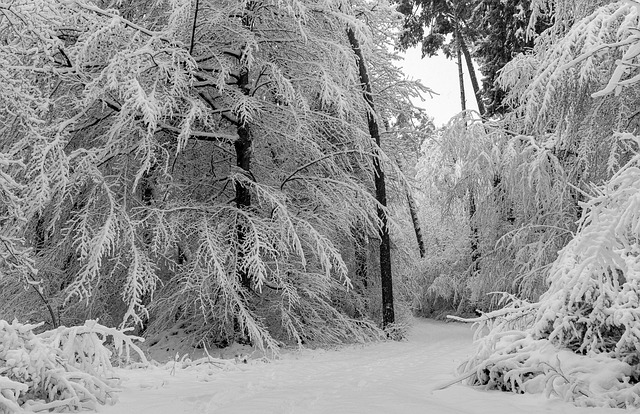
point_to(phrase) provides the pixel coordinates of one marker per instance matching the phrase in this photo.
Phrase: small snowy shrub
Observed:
(581, 341)
(64, 369)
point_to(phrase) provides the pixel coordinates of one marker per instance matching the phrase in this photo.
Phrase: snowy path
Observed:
(392, 377)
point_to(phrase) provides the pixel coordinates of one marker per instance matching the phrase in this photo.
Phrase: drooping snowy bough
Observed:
(581, 341)
(64, 369)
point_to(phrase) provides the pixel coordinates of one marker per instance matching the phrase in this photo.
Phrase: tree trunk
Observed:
(148, 186)
(472, 72)
(388, 314)
(475, 251)
(463, 99)
(413, 210)
(244, 151)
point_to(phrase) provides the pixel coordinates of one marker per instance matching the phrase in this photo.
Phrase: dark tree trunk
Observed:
(388, 314)
(472, 72)
(475, 251)
(243, 147)
(148, 186)
(413, 210)
(463, 99)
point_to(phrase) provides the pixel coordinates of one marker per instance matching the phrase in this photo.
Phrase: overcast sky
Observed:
(441, 75)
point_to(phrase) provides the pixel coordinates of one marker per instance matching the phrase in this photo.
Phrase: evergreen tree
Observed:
(503, 33)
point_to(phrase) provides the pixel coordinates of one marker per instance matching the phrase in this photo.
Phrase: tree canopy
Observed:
(192, 163)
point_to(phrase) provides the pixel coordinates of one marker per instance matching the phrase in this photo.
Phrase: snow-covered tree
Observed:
(576, 95)
(503, 32)
(198, 160)
(63, 369)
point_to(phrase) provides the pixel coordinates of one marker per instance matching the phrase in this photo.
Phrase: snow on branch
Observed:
(66, 369)
(580, 340)
(540, 82)
(115, 17)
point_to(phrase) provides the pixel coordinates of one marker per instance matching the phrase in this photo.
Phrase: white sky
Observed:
(440, 75)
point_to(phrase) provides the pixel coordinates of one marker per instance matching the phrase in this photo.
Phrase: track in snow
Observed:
(389, 377)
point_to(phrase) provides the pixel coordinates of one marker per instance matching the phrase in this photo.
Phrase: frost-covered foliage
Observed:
(500, 220)
(552, 91)
(551, 87)
(190, 163)
(440, 284)
(580, 340)
(66, 369)
(592, 302)
(570, 98)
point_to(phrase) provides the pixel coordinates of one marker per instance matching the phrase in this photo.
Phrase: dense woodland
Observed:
(255, 172)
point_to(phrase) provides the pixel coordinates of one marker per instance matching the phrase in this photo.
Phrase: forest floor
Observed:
(387, 377)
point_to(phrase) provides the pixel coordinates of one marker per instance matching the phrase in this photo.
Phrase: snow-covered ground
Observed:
(391, 377)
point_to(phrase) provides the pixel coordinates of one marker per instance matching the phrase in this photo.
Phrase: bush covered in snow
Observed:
(581, 340)
(64, 369)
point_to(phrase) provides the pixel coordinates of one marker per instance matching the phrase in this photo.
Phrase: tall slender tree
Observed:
(386, 276)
